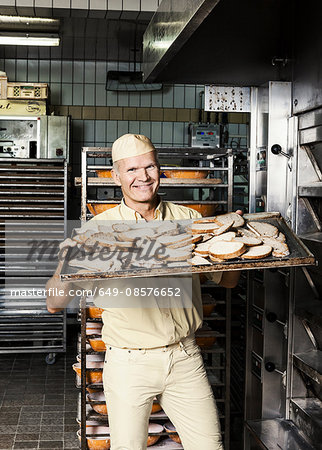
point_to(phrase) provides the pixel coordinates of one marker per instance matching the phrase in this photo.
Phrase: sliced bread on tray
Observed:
(248, 240)
(223, 228)
(237, 219)
(199, 261)
(280, 249)
(263, 229)
(257, 252)
(203, 248)
(226, 250)
(204, 228)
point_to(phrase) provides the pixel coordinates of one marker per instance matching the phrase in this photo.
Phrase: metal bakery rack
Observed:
(32, 206)
(216, 357)
(215, 190)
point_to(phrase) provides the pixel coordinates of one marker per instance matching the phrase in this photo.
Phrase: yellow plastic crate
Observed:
(27, 90)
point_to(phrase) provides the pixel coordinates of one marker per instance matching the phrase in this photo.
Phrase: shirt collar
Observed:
(131, 214)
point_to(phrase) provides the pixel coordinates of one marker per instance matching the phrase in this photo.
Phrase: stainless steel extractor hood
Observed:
(170, 28)
(220, 41)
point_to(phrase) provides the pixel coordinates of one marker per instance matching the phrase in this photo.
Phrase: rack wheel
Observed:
(50, 358)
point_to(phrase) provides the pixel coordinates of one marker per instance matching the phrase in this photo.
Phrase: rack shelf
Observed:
(30, 189)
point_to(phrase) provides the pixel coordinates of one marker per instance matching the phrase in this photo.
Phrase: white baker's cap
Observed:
(130, 145)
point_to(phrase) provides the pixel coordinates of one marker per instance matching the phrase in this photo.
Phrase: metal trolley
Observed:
(215, 190)
(33, 202)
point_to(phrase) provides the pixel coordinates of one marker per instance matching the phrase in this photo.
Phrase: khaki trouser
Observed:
(176, 375)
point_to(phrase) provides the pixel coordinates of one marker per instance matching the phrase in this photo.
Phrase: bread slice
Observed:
(106, 229)
(263, 228)
(248, 240)
(228, 236)
(199, 261)
(237, 219)
(83, 237)
(281, 237)
(206, 237)
(94, 265)
(203, 248)
(206, 220)
(147, 264)
(134, 234)
(177, 255)
(257, 252)
(226, 250)
(101, 240)
(169, 240)
(247, 232)
(204, 228)
(215, 260)
(223, 228)
(182, 244)
(280, 249)
(121, 227)
(197, 238)
(166, 227)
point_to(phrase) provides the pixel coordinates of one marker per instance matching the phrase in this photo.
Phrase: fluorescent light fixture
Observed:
(28, 20)
(47, 40)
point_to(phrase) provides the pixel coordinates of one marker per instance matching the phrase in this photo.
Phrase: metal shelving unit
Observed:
(33, 200)
(219, 187)
(217, 362)
(219, 164)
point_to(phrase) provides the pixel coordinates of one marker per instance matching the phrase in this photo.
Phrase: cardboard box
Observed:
(3, 87)
(22, 107)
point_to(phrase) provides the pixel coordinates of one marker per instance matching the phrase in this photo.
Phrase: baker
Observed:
(151, 351)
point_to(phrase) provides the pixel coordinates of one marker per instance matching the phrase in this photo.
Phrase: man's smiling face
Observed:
(139, 177)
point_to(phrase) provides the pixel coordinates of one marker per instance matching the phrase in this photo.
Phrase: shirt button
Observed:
(166, 314)
(171, 338)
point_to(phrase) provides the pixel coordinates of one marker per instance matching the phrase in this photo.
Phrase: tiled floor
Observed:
(38, 402)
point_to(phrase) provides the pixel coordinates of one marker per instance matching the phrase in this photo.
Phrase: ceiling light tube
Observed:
(31, 20)
(48, 40)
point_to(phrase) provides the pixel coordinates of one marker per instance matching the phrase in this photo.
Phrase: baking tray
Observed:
(299, 256)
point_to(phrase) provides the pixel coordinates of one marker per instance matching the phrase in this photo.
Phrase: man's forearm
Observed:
(58, 292)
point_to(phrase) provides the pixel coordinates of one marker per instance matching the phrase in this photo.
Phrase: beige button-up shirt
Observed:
(152, 326)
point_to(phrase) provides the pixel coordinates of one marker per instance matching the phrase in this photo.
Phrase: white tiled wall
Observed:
(82, 83)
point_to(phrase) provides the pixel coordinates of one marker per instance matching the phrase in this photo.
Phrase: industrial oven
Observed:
(33, 210)
(283, 354)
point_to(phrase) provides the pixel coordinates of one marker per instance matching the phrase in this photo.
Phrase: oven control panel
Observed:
(204, 135)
